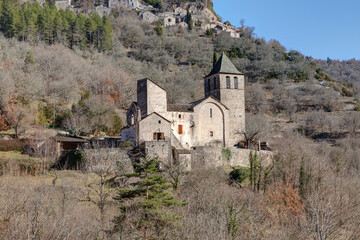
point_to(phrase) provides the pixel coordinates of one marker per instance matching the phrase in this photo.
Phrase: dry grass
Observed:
(52, 206)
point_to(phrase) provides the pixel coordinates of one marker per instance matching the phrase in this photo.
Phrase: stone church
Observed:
(176, 131)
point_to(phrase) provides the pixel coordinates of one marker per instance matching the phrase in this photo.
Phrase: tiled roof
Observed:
(224, 65)
(178, 108)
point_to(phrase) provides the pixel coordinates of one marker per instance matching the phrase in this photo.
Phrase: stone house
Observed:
(180, 12)
(222, 28)
(62, 4)
(102, 10)
(176, 131)
(209, 15)
(148, 16)
(182, 25)
(232, 33)
(169, 21)
(124, 3)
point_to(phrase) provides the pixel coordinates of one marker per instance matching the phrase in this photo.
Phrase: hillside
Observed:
(71, 73)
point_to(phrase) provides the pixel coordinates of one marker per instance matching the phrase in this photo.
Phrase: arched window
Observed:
(211, 113)
(209, 85)
(236, 83)
(228, 82)
(132, 120)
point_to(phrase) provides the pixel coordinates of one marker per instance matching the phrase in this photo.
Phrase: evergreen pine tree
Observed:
(70, 19)
(10, 21)
(29, 58)
(96, 19)
(91, 27)
(151, 197)
(159, 29)
(79, 31)
(215, 59)
(302, 180)
(46, 22)
(189, 20)
(233, 226)
(106, 34)
(254, 169)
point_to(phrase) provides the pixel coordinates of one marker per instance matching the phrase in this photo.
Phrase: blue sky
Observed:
(317, 28)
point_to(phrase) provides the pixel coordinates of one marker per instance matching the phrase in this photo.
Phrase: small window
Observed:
(180, 116)
(159, 121)
(236, 83)
(169, 20)
(181, 129)
(211, 113)
(159, 136)
(228, 82)
(211, 133)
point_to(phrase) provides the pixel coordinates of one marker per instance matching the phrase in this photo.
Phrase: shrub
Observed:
(126, 144)
(13, 145)
(226, 153)
(239, 174)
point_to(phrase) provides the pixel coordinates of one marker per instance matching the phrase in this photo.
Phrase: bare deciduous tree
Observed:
(106, 164)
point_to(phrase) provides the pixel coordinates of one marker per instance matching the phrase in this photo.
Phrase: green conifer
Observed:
(106, 34)
(152, 196)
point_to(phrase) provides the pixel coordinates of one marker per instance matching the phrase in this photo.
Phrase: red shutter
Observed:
(155, 136)
(163, 136)
(180, 129)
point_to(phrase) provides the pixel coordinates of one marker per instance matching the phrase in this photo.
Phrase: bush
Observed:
(13, 145)
(126, 144)
(226, 153)
(239, 174)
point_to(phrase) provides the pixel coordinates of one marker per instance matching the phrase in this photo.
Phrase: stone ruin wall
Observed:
(211, 157)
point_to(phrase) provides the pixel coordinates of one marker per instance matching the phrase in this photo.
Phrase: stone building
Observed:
(124, 3)
(169, 21)
(63, 4)
(175, 131)
(148, 16)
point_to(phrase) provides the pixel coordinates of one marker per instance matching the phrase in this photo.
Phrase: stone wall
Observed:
(159, 149)
(212, 157)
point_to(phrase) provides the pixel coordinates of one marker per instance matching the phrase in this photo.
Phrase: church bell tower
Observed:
(227, 84)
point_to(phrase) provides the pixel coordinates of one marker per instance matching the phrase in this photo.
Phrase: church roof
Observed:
(179, 108)
(224, 65)
(154, 114)
(194, 104)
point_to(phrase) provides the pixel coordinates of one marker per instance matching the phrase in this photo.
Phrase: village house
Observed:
(102, 10)
(222, 28)
(209, 15)
(124, 3)
(169, 21)
(180, 12)
(63, 4)
(148, 16)
(182, 25)
(195, 132)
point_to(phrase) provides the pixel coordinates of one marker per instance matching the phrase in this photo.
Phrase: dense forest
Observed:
(32, 23)
(77, 73)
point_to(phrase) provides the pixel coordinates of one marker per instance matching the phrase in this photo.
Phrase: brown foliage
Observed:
(284, 202)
